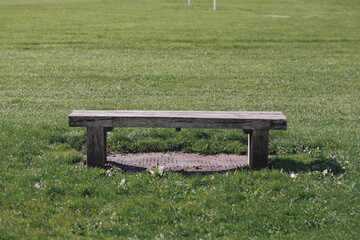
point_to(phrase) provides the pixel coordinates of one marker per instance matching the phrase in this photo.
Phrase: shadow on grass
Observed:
(295, 163)
(136, 169)
(125, 168)
(289, 164)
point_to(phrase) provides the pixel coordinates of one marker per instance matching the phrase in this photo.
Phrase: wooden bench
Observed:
(255, 124)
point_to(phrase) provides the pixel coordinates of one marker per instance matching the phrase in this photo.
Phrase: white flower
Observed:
(160, 237)
(122, 182)
(324, 172)
(161, 170)
(293, 175)
(37, 185)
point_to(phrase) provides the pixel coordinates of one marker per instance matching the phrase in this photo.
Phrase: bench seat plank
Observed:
(179, 119)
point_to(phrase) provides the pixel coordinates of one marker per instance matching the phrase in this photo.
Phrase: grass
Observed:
(57, 56)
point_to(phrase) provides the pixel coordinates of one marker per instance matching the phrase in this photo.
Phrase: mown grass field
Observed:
(57, 56)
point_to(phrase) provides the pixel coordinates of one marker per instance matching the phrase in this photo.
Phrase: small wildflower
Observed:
(160, 237)
(293, 175)
(37, 185)
(122, 182)
(161, 170)
(325, 172)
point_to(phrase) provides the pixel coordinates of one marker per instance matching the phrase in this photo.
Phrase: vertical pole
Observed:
(214, 5)
(96, 147)
(258, 148)
(188, 3)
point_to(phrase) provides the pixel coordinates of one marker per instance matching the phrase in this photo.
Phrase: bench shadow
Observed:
(289, 164)
(125, 168)
(136, 169)
(286, 164)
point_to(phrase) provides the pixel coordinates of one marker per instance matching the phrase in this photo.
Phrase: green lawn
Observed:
(57, 56)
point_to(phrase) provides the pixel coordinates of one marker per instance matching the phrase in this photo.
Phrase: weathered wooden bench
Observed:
(255, 124)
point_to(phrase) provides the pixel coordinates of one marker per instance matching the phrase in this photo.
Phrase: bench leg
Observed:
(96, 146)
(258, 148)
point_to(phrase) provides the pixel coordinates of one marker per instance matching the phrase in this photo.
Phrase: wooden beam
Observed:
(179, 119)
(258, 149)
(96, 147)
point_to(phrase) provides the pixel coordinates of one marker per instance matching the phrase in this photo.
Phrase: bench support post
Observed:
(96, 146)
(258, 148)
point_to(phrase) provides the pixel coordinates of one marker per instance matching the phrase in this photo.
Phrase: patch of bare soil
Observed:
(177, 162)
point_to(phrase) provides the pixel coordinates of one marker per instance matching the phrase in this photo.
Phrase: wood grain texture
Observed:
(258, 149)
(96, 147)
(179, 119)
